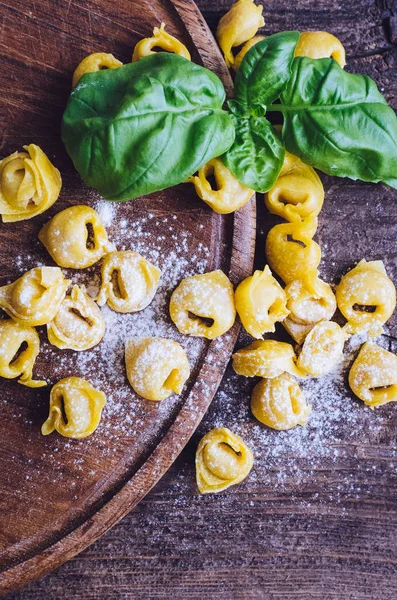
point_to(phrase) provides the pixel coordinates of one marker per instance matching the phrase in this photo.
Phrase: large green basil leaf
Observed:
(338, 122)
(145, 126)
(265, 69)
(257, 154)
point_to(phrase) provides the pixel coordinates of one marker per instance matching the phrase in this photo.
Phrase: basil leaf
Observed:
(145, 126)
(257, 154)
(265, 69)
(338, 122)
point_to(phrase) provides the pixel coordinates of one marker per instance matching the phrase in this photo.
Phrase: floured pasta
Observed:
(266, 358)
(19, 348)
(156, 367)
(238, 59)
(320, 44)
(203, 305)
(322, 349)
(373, 375)
(78, 324)
(305, 307)
(76, 238)
(95, 62)
(238, 26)
(160, 39)
(222, 460)
(35, 298)
(297, 331)
(75, 408)
(29, 184)
(129, 281)
(279, 403)
(229, 195)
(260, 303)
(366, 297)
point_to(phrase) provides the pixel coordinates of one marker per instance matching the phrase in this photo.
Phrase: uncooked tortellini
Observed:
(222, 460)
(322, 349)
(238, 26)
(75, 238)
(266, 358)
(320, 44)
(366, 297)
(161, 39)
(75, 408)
(260, 303)
(129, 281)
(373, 375)
(298, 193)
(279, 403)
(203, 305)
(95, 62)
(34, 298)
(19, 347)
(29, 184)
(156, 367)
(238, 59)
(78, 324)
(229, 194)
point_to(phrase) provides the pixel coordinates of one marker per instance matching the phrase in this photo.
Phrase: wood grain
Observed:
(310, 524)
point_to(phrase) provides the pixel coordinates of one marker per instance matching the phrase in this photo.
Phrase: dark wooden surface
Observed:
(317, 518)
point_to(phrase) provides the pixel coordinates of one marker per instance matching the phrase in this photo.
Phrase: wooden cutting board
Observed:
(58, 495)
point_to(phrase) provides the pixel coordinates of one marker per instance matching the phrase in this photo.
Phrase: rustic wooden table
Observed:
(317, 517)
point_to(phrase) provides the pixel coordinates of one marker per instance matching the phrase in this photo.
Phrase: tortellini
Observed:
(238, 59)
(203, 305)
(298, 193)
(293, 254)
(19, 347)
(76, 238)
(78, 325)
(222, 460)
(161, 39)
(229, 195)
(373, 375)
(75, 408)
(156, 367)
(322, 349)
(366, 297)
(95, 62)
(266, 358)
(129, 281)
(260, 303)
(279, 403)
(238, 26)
(320, 44)
(29, 184)
(35, 298)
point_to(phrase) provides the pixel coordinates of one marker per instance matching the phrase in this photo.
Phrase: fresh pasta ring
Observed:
(95, 62)
(320, 44)
(266, 358)
(373, 375)
(237, 26)
(160, 39)
(20, 346)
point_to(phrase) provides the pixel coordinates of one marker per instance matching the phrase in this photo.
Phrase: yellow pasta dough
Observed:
(322, 349)
(29, 184)
(320, 44)
(298, 193)
(292, 253)
(366, 297)
(297, 331)
(238, 26)
(203, 305)
(95, 62)
(373, 375)
(306, 308)
(229, 195)
(76, 238)
(156, 367)
(238, 59)
(75, 408)
(129, 281)
(260, 303)
(279, 403)
(78, 324)
(160, 39)
(35, 298)
(222, 460)
(266, 358)
(19, 348)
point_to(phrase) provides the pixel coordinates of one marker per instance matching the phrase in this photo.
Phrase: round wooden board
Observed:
(57, 495)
